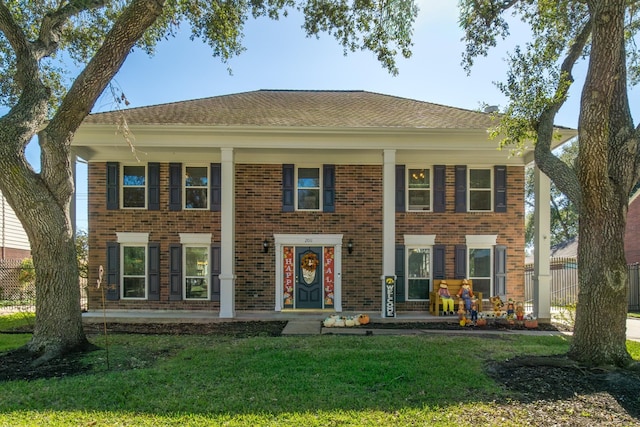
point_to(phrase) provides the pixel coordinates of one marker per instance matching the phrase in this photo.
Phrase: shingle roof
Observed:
(293, 108)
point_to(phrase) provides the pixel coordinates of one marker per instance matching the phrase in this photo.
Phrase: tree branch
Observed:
(53, 23)
(90, 83)
(563, 176)
(27, 66)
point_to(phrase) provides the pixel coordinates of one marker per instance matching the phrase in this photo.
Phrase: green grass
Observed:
(11, 322)
(322, 380)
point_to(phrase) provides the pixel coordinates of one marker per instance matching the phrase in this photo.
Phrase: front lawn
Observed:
(324, 380)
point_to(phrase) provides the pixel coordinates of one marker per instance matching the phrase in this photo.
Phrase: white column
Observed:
(389, 219)
(542, 247)
(227, 236)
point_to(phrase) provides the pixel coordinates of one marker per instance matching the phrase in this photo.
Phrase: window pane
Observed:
(308, 178)
(133, 175)
(482, 285)
(419, 199)
(197, 261)
(419, 262)
(480, 178)
(133, 287)
(195, 198)
(133, 261)
(418, 178)
(196, 288)
(480, 200)
(418, 289)
(133, 197)
(479, 263)
(308, 199)
(196, 176)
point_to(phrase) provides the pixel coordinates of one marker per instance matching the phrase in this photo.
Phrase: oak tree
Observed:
(563, 33)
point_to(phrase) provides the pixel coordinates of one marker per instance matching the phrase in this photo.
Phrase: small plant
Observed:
(566, 314)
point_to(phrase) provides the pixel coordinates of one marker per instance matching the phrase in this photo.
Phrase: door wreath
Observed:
(309, 264)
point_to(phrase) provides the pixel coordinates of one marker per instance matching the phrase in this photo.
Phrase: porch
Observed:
(201, 316)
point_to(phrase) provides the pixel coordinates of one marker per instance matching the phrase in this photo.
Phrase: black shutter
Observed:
(461, 188)
(175, 272)
(500, 270)
(288, 188)
(216, 260)
(400, 279)
(329, 188)
(439, 267)
(113, 185)
(113, 272)
(439, 188)
(400, 190)
(153, 202)
(460, 262)
(216, 187)
(153, 271)
(175, 186)
(500, 184)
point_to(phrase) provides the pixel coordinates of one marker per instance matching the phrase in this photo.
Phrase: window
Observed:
(134, 272)
(419, 189)
(308, 189)
(419, 277)
(134, 187)
(196, 267)
(480, 263)
(480, 190)
(196, 187)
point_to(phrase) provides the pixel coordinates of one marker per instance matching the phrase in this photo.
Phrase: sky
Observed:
(279, 56)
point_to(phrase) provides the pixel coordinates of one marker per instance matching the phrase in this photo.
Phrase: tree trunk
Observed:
(600, 327)
(599, 336)
(58, 326)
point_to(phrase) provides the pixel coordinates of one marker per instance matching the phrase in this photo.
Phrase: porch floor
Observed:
(195, 316)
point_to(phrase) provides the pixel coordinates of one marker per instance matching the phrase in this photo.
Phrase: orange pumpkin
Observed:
(364, 319)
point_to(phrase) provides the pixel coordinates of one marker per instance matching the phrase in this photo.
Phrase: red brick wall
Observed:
(358, 215)
(13, 253)
(631, 241)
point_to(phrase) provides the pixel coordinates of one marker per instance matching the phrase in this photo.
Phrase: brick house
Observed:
(631, 241)
(290, 200)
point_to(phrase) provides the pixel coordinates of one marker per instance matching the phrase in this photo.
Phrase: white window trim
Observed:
(407, 191)
(480, 241)
(418, 241)
(184, 186)
(122, 186)
(320, 183)
(491, 188)
(133, 240)
(195, 239)
(207, 276)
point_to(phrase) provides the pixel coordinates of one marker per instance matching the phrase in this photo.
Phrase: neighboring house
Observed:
(632, 232)
(278, 200)
(14, 243)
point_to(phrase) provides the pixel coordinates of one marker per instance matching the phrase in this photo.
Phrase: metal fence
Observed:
(18, 294)
(564, 283)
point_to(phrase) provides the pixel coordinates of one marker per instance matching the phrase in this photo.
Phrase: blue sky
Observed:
(279, 56)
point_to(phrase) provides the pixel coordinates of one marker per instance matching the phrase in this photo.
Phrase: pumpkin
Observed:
(364, 319)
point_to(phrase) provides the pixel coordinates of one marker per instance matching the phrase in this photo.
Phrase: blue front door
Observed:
(309, 277)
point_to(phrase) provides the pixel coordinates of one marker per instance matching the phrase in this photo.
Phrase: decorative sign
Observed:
(328, 277)
(389, 296)
(288, 276)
